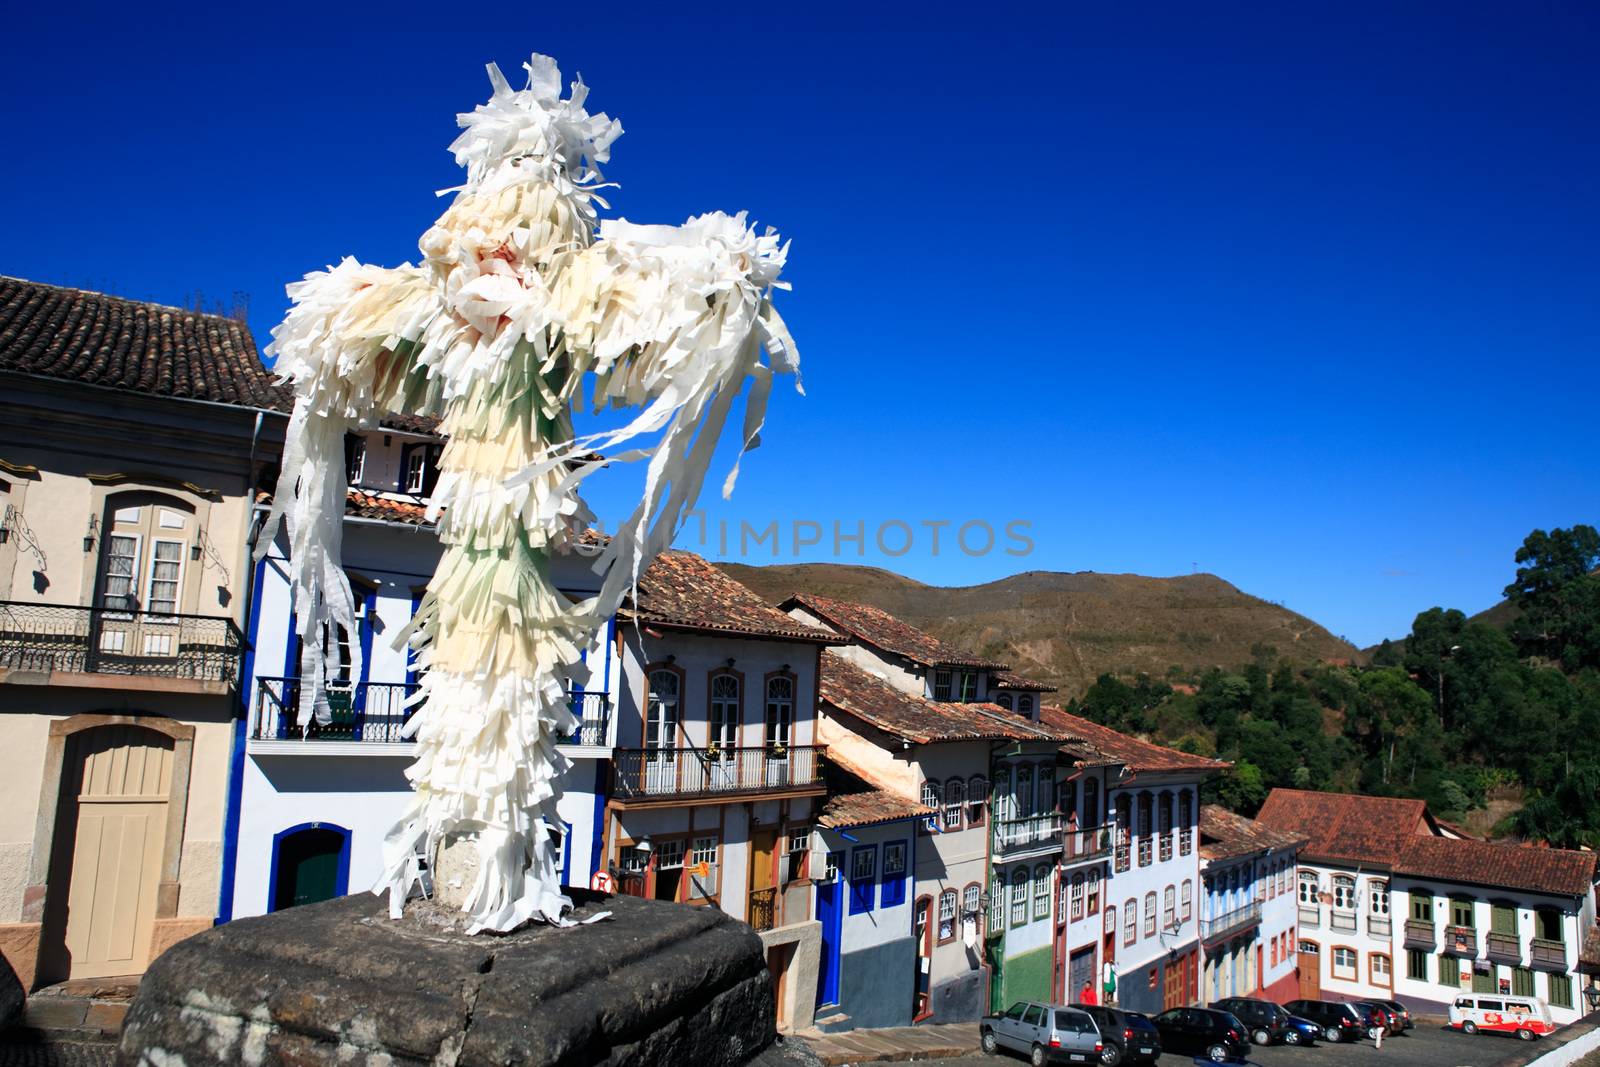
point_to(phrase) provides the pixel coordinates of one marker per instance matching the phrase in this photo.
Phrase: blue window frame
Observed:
(863, 878)
(893, 890)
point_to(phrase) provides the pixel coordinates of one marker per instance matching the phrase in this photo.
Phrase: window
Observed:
(1560, 991)
(780, 712)
(941, 686)
(1001, 791)
(1344, 963)
(703, 858)
(1503, 920)
(122, 561)
(1309, 888)
(1130, 921)
(1048, 801)
(661, 715)
(1416, 965)
(166, 564)
(355, 455)
(977, 790)
(1344, 893)
(725, 713)
(1461, 911)
(1123, 828)
(1004, 700)
(997, 902)
(1077, 897)
(1185, 823)
(1378, 896)
(1150, 915)
(969, 901)
(1378, 964)
(1094, 891)
(1187, 900)
(799, 847)
(1019, 896)
(931, 798)
(947, 915)
(1145, 851)
(669, 855)
(416, 469)
(1521, 982)
(969, 686)
(1422, 905)
(1041, 891)
(1169, 908)
(893, 893)
(1547, 924)
(955, 795)
(1025, 704)
(863, 878)
(1164, 814)
(1024, 803)
(1091, 803)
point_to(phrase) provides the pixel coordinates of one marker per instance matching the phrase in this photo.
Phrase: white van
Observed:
(1524, 1016)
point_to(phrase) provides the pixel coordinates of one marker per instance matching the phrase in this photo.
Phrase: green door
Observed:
(308, 868)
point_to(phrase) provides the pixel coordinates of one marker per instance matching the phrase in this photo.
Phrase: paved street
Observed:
(56, 1054)
(1423, 1047)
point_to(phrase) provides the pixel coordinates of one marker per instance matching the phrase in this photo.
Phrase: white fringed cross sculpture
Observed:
(522, 297)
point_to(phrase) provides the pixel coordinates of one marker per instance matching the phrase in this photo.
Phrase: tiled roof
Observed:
(423, 424)
(1224, 835)
(1346, 828)
(851, 690)
(681, 591)
(1008, 680)
(882, 630)
(845, 810)
(79, 336)
(372, 506)
(1140, 757)
(1547, 870)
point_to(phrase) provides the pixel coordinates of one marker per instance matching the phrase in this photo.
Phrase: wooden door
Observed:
(1308, 963)
(763, 879)
(116, 818)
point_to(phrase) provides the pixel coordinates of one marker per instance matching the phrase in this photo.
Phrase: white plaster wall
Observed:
(881, 925)
(1361, 940)
(1135, 882)
(1279, 916)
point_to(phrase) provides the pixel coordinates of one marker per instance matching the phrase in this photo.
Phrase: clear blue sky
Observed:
(1304, 298)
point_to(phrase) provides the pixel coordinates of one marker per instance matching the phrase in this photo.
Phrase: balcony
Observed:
(1310, 916)
(645, 775)
(42, 644)
(1344, 921)
(1235, 921)
(1461, 941)
(1420, 934)
(1379, 926)
(1548, 955)
(1081, 846)
(593, 712)
(1504, 948)
(1031, 835)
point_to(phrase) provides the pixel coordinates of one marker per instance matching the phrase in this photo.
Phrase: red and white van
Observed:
(1524, 1016)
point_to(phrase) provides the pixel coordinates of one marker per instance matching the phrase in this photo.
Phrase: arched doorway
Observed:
(310, 862)
(108, 851)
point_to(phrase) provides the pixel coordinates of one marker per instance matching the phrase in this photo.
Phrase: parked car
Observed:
(1301, 1031)
(1267, 1022)
(1339, 1021)
(1404, 1015)
(1048, 1033)
(1381, 1014)
(1127, 1036)
(1216, 1035)
(1526, 1017)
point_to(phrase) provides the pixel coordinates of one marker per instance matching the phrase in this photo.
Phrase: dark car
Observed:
(1216, 1035)
(1267, 1022)
(1375, 1014)
(1339, 1021)
(1301, 1031)
(1397, 1009)
(1129, 1037)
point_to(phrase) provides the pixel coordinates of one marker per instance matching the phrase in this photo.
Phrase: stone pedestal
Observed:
(341, 983)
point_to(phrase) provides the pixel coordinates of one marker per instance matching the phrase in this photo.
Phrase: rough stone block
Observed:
(339, 982)
(13, 998)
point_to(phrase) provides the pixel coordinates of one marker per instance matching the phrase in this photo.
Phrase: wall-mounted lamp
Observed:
(5, 524)
(644, 845)
(730, 663)
(92, 533)
(196, 549)
(672, 658)
(785, 668)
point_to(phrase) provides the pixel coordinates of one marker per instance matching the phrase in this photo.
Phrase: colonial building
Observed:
(1150, 937)
(1388, 906)
(1247, 910)
(134, 438)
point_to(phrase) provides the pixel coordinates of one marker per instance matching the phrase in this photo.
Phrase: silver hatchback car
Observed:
(1048, 1033)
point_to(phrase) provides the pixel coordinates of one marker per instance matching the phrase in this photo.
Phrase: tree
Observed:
(1557, 596)
(1242, 791)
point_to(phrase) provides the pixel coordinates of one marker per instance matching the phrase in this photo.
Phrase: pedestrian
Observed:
(1086, 994)
(1377, 1030)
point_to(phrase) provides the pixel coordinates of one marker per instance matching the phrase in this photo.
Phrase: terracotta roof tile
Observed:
(94, 338)
(371, 506)
(845, 810)
(1548, 870)
(1141, 757)
(882, 630)
(1224, 835)
(1346, 828)
(850, 689)
(1008, 680)
(681, 591)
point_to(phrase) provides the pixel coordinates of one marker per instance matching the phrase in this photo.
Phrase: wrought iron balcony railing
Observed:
(593, 711)
(1548, 955)
(1028, 834)
(763, 908)
(643, 773)
(62, 638)
(1238, 918)
(1420, 933)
